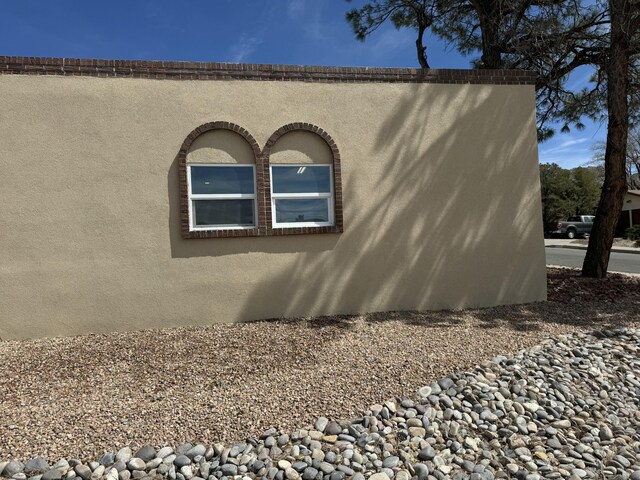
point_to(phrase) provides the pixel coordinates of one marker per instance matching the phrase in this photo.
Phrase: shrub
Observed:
(633, 233)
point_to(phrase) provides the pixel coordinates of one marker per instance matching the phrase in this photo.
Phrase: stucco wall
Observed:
(440, 187)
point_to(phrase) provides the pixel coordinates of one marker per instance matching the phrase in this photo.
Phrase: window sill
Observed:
(260, 232)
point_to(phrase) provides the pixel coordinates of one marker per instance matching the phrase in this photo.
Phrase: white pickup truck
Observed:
(577, 225)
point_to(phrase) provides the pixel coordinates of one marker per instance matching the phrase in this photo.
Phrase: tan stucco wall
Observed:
(440, 185)
(300, 147)
(220, 146)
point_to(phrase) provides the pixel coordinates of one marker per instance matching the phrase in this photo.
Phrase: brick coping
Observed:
(170, 70)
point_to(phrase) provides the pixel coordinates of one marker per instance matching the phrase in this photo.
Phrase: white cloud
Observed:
(308, 15)
(243, 48)
(296, 9)
(390, 40)
(568, 153)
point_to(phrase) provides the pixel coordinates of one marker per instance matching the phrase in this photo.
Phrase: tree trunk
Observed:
(488, 12)
(421, 50)
(614, 188)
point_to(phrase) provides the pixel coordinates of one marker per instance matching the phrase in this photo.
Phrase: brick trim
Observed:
(184, 189)
(337, 179)
(263, 183)
(167, 70)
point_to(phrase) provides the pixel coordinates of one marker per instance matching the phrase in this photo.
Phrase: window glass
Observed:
(235, 212)
(302, 210)
(301, 179)
(207, 180)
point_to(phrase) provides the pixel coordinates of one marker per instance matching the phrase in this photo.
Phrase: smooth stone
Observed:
(333, 428)
(125, 475)
(11, 468)
(183, 448)
(622, 461)
(187, 472)
(136, 464)
(107, 459)
(427, 453)
(35, 466)
(198, 450)
(421, 471)
(83, 471)
(146, 453)
(321, 424)
(164, 452)
(54, 474)
(124, 455)
(228, 469)
(291, 474)
(347, 471)
(379, 476)
(309, 473)
(112, 474)
(606, 433)
(326, 467)
(284, 464)
(19, 476)
(561, 424)
(390, 462)
(299, 466)
(181, 461)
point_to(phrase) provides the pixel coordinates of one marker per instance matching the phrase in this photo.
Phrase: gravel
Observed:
(83, 396)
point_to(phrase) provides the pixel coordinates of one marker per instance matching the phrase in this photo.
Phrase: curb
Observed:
(608, 271)
(635, 251)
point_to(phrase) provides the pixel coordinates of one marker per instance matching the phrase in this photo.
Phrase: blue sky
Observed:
(301, 32)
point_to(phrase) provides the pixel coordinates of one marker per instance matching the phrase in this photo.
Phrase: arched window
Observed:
(220, 183)
(229, 188)
(304, 186)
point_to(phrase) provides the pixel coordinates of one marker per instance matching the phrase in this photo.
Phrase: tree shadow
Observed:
(451, 221)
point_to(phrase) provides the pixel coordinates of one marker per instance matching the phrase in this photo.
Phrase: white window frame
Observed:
(227, 196)
(302, 196)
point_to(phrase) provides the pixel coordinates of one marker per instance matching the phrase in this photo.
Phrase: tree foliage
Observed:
(632, 165)
(567, 192)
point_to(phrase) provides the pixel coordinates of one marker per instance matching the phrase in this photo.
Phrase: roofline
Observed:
(634, 192)
(169, 70)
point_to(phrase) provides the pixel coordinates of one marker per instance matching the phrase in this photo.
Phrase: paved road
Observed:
(569, 257)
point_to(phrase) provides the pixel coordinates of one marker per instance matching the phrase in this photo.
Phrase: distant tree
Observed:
(567, 192)
(633, 158)
(558, 194)
(586, 190)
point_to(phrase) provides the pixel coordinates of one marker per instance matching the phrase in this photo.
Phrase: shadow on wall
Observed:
(436, 225)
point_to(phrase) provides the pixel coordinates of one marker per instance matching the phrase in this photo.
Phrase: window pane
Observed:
(221, 180)
(304, 210)
(306, 179)
(223, 212)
